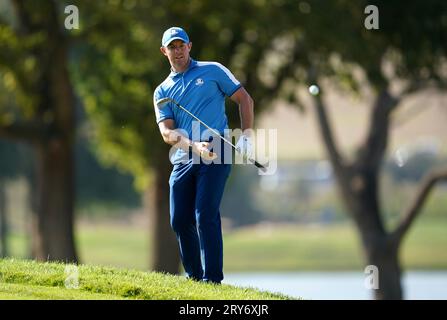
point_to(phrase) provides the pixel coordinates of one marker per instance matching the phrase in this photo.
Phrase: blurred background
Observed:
(361, 165)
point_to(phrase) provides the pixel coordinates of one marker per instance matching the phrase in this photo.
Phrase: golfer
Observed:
(196, 187)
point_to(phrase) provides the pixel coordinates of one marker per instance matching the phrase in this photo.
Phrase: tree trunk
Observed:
(53, 231)
(385, 257)
(3, 222)
(165, 251)
(359, 188)
(380, 251)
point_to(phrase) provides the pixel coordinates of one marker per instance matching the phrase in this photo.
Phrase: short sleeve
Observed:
(165, 112)
(226, 80)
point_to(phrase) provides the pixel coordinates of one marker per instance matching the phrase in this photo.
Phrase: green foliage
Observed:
(271, 50)
(13, 160)
(270, 46)
(95, 185)
(99, 186)
(24, 60)
(17, 276)
(113, 69)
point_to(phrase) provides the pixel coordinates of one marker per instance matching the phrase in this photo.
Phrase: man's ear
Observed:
(163, 51)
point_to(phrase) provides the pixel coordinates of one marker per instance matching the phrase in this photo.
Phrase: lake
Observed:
(417, 285)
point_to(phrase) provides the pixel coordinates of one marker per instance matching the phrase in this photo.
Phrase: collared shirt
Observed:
(201, 89)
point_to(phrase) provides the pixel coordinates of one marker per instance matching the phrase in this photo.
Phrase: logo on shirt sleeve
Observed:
(199, 82)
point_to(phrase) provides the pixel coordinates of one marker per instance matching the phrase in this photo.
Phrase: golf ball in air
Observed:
(314, 90)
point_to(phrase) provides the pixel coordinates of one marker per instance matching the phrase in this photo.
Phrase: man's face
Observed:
(177, 53)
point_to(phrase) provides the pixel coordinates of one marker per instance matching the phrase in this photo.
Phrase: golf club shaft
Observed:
(257, 164)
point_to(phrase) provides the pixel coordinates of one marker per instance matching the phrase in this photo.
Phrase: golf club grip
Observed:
(208, 155)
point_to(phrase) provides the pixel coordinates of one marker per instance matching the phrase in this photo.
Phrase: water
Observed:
(417, 285)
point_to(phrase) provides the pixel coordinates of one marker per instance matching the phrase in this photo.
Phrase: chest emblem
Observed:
(199, 82)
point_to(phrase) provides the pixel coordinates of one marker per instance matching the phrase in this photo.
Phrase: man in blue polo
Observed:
(196, 187)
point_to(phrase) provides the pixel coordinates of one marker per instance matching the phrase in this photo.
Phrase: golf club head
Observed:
(162, 102)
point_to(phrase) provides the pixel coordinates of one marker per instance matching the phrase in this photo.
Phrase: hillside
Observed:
(26, 279)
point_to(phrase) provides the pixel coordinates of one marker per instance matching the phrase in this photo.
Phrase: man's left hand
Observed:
(245, 146)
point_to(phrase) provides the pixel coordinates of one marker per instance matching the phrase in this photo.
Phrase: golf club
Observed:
(162, 102)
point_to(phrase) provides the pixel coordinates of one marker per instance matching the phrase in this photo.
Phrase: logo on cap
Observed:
(173, 34)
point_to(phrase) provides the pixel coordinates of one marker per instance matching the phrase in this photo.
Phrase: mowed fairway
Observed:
(266, 247)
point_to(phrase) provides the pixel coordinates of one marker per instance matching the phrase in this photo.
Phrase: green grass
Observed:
(425, 246)
(13, 291)
(289, 248)
(252, 249)
(114, 245)
(265, 247)
(27, 279)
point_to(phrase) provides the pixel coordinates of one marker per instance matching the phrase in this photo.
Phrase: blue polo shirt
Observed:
(201, 89)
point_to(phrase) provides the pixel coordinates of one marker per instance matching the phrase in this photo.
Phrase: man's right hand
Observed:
(203, 149)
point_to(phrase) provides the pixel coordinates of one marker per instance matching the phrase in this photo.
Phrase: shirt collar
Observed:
(192, 64)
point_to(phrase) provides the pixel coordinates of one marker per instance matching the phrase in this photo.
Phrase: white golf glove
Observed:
(245, 146)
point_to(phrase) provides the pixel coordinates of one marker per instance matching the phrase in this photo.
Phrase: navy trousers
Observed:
(195, 194)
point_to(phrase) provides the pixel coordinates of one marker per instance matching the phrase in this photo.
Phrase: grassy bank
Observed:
(20, 279)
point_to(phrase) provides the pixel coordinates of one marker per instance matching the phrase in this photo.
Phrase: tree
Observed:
(115, 68)
(415, 47)
(35, 58)
(34, 61)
